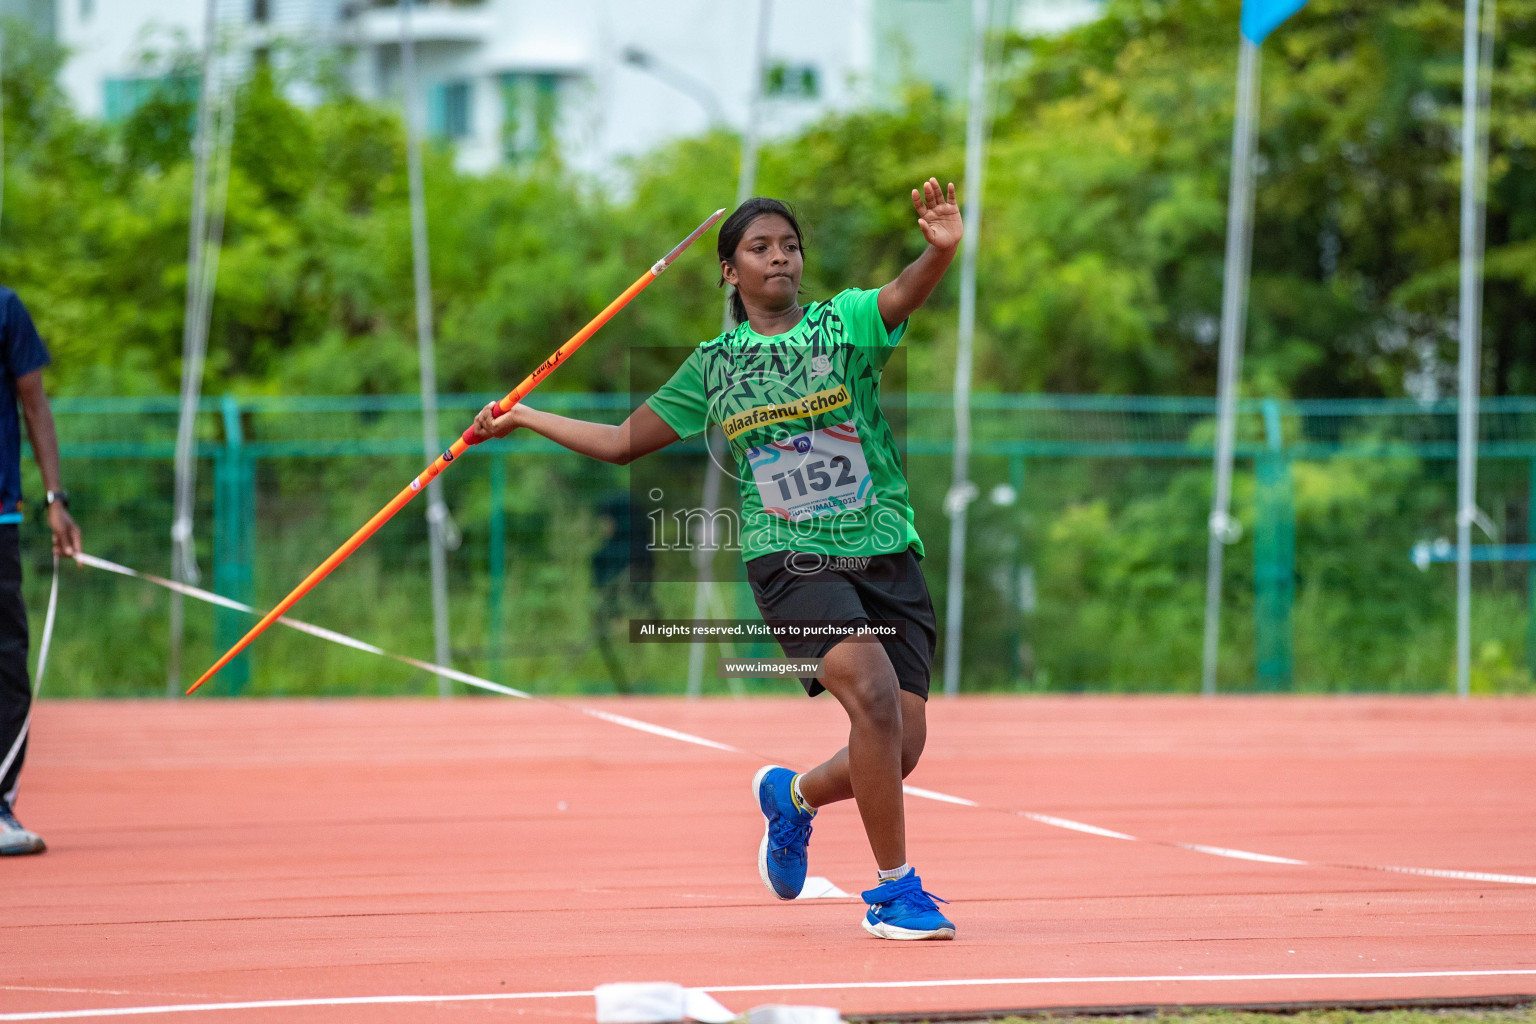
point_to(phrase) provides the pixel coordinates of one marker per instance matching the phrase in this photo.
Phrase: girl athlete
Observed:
(826, 524)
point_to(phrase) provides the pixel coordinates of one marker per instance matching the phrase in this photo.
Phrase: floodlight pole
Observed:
(962, 491)
(746, 182)
(193, 349)
(1234, 310)
(1477, 56)
(678, 79)
(438, 524)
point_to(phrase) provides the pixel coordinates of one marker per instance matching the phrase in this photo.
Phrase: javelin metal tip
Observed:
(660, 266)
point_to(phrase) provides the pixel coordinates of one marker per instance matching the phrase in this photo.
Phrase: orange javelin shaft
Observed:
(456, 449)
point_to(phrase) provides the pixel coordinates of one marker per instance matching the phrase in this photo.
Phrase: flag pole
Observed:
(1477, 54)
(961, 489)
(1223, 529)
(439, 525)
(193, 350)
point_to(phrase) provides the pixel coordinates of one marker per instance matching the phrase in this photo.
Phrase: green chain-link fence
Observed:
(1086, 563)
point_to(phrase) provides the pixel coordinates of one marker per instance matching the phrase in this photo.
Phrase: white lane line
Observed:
(1222, 851)
(1075, 826)
(661, 730)
(1112, 979)
(279, 1004)
(821, 986)
(76, 991)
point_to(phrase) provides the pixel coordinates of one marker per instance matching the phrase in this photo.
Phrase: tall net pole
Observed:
(746, 182)
(438, 522)
(961, 490)
(1477, 56)
(1234, 312)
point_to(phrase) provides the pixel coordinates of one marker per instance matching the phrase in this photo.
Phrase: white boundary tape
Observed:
(827, 986)
(37, 679)
(303, 627)
(943, 798)
(1221, 851)
(661, 730)
(1466, 876)
(361, 645)
(1075, 826)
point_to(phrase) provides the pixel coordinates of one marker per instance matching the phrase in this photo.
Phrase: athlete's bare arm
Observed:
(642, 433)
(939, 218)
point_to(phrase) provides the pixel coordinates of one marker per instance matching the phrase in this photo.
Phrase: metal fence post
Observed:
(1274, 556)
(1530, 570)
(234, 539)
(498, 563)
(1016, 572)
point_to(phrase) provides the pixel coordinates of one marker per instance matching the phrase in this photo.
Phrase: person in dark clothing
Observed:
(22, 358)
(621, 576)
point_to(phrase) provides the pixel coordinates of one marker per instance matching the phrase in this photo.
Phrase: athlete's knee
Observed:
(873, 699)
(865, 683)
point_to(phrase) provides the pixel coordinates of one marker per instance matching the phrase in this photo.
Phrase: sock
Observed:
(895, 873)
(800, 802)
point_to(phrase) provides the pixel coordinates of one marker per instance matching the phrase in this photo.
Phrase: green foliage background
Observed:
(1101, 261)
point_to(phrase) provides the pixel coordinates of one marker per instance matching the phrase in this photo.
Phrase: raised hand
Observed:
(938, 215)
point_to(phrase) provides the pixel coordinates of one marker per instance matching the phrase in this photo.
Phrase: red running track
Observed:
(215, 852)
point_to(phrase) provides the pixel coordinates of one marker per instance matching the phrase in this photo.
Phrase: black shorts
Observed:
(846, 590)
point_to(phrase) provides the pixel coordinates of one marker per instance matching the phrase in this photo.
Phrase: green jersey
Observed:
(816, 462)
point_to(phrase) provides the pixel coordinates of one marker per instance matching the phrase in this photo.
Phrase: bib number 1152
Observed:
(821, 472)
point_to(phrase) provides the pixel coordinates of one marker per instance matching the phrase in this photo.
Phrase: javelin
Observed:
(458, 448)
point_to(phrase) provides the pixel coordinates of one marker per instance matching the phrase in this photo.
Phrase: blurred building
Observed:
(39, 15)
(506, 79)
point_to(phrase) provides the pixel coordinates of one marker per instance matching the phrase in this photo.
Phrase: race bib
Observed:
(819, 473)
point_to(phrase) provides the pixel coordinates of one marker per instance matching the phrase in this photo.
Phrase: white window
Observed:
(792, 81)
(125, 95)
(530, 112)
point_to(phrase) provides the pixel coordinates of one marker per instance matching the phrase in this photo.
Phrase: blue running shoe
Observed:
(900, 909)
(781, 858)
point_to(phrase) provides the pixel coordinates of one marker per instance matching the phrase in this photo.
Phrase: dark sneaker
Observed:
(14, 839)
(900, 909)
(781, 859)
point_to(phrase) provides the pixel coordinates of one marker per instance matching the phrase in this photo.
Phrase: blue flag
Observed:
(1261, 17)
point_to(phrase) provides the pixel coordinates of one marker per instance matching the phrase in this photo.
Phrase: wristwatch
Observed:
(53, 496)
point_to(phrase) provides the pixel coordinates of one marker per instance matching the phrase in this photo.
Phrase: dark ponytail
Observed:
(736, 225)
